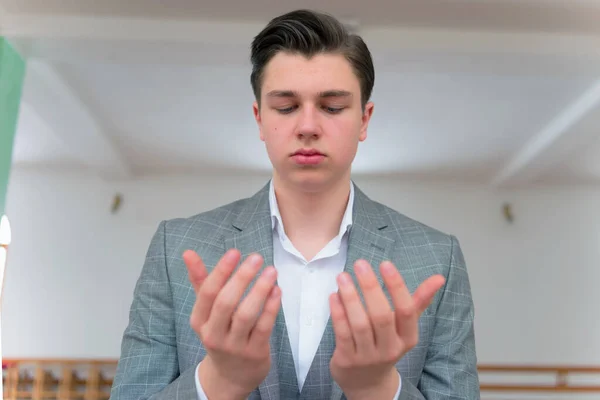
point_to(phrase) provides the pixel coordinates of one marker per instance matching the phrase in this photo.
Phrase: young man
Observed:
(308, 289)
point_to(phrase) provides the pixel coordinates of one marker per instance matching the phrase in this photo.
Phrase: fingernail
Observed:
(387, 269)
(269, 272)
(344, 280)
(255, 259)
(231, 254)
(360, 268)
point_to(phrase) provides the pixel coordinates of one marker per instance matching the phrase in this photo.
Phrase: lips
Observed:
(307, 153)
(308, 157)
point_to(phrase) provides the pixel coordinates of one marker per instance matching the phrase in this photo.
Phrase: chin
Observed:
(311, 181)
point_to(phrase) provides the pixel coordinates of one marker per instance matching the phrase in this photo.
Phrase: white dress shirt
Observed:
(305, 287)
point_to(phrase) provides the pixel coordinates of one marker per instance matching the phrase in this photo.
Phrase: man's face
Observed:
(311, 119)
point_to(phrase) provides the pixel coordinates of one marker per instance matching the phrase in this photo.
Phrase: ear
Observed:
(366, 117)
(256, 111)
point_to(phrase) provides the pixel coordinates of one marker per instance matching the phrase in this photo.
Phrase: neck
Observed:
(312, 214)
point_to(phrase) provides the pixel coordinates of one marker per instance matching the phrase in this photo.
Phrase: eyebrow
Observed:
(291, 93)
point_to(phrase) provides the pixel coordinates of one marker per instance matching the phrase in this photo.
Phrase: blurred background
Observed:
(117, 114)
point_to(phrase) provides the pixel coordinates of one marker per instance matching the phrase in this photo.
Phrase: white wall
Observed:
(72, 265)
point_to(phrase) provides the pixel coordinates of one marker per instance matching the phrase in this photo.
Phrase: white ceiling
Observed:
(499, 92)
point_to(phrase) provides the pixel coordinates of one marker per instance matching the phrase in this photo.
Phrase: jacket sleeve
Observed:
(450, 371)
(148, 367)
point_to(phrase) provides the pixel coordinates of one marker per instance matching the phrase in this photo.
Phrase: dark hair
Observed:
(309, 33)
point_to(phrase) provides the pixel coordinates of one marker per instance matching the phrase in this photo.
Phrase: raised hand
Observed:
(235, 332)
(369, 342)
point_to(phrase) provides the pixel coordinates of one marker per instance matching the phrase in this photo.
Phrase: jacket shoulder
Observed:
(401, 225)
(220, 216)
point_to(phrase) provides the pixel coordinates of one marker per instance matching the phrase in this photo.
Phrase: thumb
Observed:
(426, 291)
(196, 269)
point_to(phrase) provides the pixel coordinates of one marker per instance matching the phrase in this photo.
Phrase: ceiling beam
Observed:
(124, 28)
(130, 40)
(241, 32)
(47, 93)
(554, 142)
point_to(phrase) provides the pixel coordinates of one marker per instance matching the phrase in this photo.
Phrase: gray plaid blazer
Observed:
(160, 351)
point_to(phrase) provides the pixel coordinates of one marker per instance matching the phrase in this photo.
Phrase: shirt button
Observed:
(308, 321)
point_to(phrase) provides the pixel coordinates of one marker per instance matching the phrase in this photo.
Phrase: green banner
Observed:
(12, 72)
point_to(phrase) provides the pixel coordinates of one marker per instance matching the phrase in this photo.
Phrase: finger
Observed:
(229, 297)
(196, 269)
(213, 284)
(404, 308)
(261, 333)
(247, 313)
(341, 327)
(378, 307)
(362, 331)
(426, 291)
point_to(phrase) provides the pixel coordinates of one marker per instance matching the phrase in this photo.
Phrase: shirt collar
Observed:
(276, 220)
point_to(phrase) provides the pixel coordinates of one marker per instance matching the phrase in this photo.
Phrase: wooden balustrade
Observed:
(558, 375)
(59, 379)
(91, 379)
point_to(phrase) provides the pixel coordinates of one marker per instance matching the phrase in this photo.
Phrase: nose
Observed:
(308, 124)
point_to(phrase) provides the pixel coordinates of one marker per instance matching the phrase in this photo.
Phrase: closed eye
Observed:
(334, 110)
(330, 110)
(286, 110)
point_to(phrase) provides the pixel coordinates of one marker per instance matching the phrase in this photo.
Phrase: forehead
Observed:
(309, 75)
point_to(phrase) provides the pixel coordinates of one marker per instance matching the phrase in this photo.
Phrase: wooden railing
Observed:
(60, 379)
(91, 379)
(558, 375)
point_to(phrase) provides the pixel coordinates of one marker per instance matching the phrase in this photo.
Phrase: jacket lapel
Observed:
(367, 240)
(253, 231)
(255, 235)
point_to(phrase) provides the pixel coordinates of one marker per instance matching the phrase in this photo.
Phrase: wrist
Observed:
(218, 386)
(386, 388)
